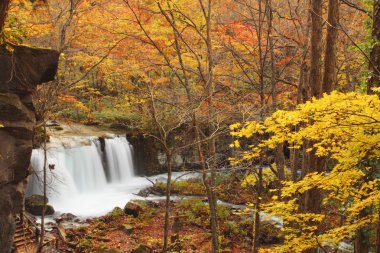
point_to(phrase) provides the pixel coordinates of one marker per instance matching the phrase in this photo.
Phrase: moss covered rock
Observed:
(35, 203)
(133, 208)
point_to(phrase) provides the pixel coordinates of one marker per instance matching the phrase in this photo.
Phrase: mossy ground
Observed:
(105, 234)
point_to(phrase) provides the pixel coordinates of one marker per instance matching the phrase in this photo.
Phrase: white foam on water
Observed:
(77, 181)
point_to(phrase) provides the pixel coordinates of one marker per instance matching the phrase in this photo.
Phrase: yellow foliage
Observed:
(345, 128)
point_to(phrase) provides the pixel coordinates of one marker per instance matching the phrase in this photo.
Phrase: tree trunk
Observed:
(374, 65)
(210, 195)
(280, 162)
(42, 235)
(294, 161)
(213, 197)
(362, 243)
(167, 202)
(209, 85)
(329, 77)
(378, 231)
(315, 82)
(273, 71)
(311, 162)
(4, 5)
(256, 224)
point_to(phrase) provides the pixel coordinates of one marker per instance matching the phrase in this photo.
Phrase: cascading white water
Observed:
(119, 159)
(76, 177)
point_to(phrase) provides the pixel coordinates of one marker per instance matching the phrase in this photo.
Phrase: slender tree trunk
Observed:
(294, 157)
(374, 66)
(329, 77)
(256, 224)
(213, 198)
(378, 231)
(279, 156)
(273, 72)
(42, 235)
(210, 118)
(209, 191)
(167, 202)
(280, 162)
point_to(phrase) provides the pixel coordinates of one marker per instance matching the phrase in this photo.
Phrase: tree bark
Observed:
(315, 82)
(294, 161)
(209, 85)
(312, 163)
(4, 5)
(329, 76)
(42, 235)
(280, 162)
(378, 231)
(374, 65)
(256, 224)
(362, 243)
(167, 201)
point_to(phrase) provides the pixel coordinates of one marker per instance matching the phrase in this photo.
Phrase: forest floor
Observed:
(118, 232)
(139, 227)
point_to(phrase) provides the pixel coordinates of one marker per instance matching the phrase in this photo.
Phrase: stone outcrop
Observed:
(150, 159)
(35, 205)
(21, 69)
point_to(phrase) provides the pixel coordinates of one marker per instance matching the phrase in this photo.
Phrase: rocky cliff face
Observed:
(21, 69)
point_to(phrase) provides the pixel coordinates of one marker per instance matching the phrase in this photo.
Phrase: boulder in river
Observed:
(35, 203)
(133, 208)
(65, 217)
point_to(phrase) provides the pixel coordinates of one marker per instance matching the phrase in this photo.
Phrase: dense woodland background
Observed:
(290, 83)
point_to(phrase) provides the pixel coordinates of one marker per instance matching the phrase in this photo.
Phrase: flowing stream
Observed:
(87, 180)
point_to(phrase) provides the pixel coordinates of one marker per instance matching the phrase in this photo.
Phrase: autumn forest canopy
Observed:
(282, 96)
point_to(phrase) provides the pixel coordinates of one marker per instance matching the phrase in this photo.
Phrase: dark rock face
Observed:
(35, 203)
(150, 159)
(21, 69)
(24, 67)
(146, 155)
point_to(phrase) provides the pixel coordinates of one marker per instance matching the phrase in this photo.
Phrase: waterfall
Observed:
(119, 159)
(77, 176)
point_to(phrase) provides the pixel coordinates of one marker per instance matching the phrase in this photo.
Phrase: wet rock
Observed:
(144, 192)
(142, 249)
(35, 203)
(102, 140)
(133, 208)
(65, 217)
(128, 229)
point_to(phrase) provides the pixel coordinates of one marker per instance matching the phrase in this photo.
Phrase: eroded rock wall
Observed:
(21, 69)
